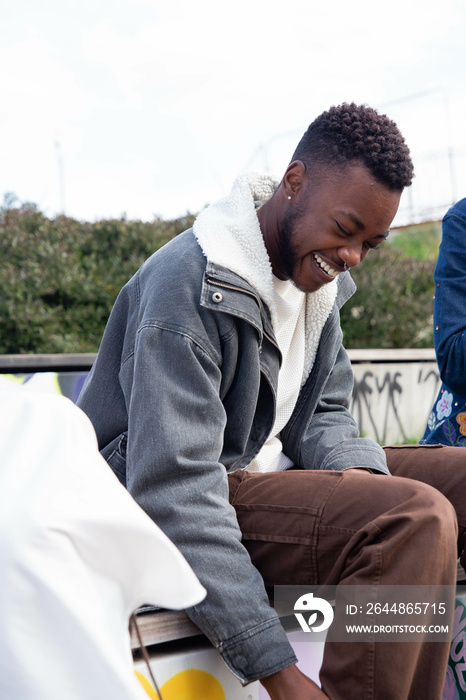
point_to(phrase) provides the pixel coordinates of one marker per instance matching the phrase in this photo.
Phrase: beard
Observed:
(288, 253)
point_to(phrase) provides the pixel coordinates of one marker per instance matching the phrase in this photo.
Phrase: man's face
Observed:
(334, 220)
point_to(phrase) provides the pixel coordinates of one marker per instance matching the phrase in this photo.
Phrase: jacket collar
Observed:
(229, 234)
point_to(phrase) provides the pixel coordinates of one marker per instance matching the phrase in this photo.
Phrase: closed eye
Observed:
(342, 230)
(367, 244)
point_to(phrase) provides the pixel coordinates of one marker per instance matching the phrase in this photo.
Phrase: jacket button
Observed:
(217, 297)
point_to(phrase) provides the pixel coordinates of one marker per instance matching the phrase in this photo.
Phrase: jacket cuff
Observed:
(258, 652)
(361, 452)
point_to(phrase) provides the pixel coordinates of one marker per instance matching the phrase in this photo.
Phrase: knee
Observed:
(423, 534)
(434, 515)
(416, 511)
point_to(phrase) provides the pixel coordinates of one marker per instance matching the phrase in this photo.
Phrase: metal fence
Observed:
(440, 182)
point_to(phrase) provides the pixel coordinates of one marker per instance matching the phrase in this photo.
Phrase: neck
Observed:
(268, 223)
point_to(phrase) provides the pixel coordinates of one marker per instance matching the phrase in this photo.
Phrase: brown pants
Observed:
(324, 527)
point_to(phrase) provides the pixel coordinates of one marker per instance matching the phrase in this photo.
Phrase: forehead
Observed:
(354, 193)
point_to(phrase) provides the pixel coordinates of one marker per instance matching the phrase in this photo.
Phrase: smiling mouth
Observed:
(325, 266)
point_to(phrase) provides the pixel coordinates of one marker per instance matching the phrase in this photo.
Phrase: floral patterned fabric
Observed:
(447, 420)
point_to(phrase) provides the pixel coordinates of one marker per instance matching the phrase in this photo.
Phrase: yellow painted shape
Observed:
(147, 686)
(14, 378)
(192, 684)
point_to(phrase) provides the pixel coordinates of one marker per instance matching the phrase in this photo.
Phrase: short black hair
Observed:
(351, 132)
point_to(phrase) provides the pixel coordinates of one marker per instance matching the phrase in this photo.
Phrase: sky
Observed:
(144, 108)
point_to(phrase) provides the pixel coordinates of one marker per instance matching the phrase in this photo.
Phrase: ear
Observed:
(294, 178)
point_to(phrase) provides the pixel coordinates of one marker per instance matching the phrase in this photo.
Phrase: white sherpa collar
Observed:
(229, 234)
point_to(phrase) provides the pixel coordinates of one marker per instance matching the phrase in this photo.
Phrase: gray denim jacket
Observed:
(182, 392)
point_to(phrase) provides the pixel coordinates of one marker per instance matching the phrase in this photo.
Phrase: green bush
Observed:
(60, 277)
(420, 241)
(393, 305)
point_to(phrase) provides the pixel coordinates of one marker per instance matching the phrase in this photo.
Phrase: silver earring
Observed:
(289, 196)
(345, 267)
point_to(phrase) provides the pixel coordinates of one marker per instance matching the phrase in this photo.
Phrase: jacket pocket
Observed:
(115, 454)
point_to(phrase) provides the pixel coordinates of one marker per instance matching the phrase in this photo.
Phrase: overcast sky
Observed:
(150, 107)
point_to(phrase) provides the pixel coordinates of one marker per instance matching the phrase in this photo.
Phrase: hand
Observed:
(291, 684)
(358, 469)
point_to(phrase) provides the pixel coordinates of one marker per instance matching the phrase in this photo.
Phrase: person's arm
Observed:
(292, 684)
(450, 298)
(329, 438)
(175, 439)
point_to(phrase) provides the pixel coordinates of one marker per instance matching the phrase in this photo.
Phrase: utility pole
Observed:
(61, 176)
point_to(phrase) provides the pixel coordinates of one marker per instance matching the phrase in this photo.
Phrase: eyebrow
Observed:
(360, 225)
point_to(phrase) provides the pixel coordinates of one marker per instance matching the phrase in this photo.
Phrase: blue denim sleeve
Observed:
(175, 437)
(450, 300)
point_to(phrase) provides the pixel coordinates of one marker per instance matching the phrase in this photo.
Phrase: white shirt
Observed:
(290, 305)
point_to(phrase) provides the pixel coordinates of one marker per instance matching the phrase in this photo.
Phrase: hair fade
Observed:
(351, 132)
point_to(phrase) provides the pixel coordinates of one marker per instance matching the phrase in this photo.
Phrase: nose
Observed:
(351, 255)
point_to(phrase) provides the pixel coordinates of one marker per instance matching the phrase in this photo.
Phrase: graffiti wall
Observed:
(192, 671)
(455, 685)
(391, 400)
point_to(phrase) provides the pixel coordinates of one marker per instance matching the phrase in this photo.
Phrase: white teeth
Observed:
(324, 266)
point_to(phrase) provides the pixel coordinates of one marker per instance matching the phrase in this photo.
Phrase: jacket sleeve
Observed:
(330, 437)
(175, 437)
(450, 296)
